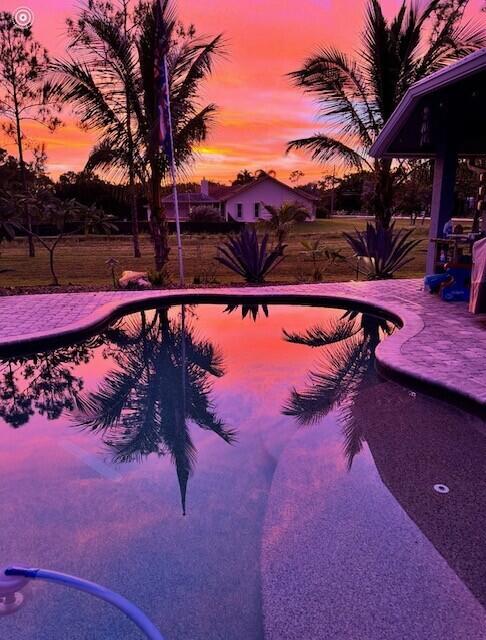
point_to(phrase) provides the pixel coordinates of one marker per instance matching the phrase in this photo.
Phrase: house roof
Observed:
(191, 198)
(439, 83)
(222, 193)
(250, 185)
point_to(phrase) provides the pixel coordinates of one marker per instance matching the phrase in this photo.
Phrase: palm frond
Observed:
(75, 83)
(326, 149)
(344, 371)
(103, 409)
(319, 336)
(454, 41)
(188, 66)
(353, 432)
(340, 89)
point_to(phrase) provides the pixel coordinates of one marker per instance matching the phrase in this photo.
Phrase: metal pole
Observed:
(174, 182)
(333, 190)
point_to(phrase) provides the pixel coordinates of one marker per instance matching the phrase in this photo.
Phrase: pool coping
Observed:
(390, 362)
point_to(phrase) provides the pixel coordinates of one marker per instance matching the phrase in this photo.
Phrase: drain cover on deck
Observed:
(441, 488)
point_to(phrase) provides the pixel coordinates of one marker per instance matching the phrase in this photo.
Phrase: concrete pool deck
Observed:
(440, 348)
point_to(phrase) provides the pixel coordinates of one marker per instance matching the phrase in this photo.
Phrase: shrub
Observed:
(318, 253)
(204, 213)
(322, 212)
(160, 278)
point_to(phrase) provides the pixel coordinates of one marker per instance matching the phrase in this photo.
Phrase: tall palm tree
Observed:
(349, 371)
(356, 96)
(162, 381)
(108, 79)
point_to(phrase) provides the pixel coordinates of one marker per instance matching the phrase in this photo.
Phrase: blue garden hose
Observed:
(128, 608)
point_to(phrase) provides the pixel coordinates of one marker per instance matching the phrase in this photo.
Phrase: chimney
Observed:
(204, 187)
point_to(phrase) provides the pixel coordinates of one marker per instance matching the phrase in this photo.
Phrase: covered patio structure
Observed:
(441, 117)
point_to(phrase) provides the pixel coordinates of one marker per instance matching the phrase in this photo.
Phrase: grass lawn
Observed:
(81, 260)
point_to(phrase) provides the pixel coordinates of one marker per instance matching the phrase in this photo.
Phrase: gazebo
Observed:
(442, 117)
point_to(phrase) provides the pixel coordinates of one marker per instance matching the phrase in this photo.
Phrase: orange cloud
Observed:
(259, 110)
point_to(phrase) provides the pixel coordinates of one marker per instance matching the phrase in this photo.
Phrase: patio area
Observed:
(439, 349)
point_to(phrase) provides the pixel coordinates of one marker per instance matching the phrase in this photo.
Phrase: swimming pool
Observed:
(309, 484)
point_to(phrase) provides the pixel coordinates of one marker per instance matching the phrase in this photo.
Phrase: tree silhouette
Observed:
(108, 79)
(357, 94)
(25, 96)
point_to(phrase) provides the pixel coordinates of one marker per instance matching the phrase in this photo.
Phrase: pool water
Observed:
(240, 471)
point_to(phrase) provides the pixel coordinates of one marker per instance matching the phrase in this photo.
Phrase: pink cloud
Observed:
(260, 111)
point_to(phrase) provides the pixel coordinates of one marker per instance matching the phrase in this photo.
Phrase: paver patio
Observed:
(440, 343)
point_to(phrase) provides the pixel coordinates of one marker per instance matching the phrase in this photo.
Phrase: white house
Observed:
(247, 202)
(243, 203)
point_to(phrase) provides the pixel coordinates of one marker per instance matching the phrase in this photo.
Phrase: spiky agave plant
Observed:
(385, 251)
(249, 309)
(250, 258)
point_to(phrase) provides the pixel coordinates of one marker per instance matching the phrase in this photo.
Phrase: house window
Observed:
(239, 210)
(257, 209)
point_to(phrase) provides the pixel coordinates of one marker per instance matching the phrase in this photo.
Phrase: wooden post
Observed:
(442, 207)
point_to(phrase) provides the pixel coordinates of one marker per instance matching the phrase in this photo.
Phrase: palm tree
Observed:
(163, 380)
(357, 96)
(243, 177)
(108, 79)
(283, 218)
(349, 371)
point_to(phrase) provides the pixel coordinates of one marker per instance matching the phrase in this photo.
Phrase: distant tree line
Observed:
(412, 193)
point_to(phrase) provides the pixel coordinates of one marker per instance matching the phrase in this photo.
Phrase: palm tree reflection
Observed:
(162, 382)
(347, 370)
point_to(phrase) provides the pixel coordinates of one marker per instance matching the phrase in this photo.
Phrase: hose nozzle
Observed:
(12, 582)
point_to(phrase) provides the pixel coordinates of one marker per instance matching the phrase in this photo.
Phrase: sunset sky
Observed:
(259, 109)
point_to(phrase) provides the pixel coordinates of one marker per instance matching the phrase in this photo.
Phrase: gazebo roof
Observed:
(448, 106)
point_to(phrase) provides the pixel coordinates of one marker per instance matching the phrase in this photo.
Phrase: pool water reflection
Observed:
(240, 471)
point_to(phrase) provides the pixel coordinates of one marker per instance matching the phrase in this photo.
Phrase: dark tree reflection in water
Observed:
(347, 371)
(45, 382)
(248, 309)
(162, 382)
